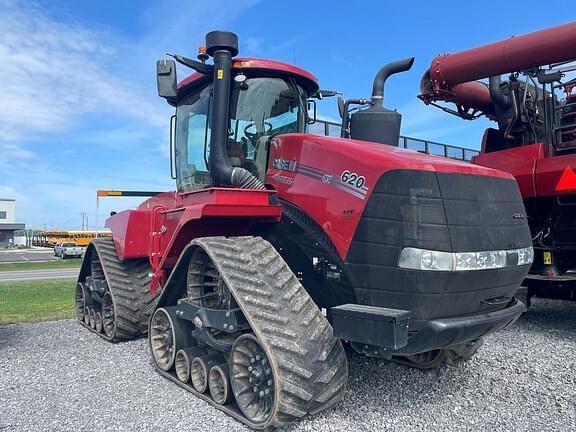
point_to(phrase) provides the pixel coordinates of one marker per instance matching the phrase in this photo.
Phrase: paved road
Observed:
(24, 255)
(23, 275)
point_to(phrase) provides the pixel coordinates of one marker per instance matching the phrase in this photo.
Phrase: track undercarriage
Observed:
(112, 298)
(233, 325)
(246, 337)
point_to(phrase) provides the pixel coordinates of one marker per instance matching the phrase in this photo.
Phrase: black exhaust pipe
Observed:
(383, 74)
(222, 46)
(376, 123)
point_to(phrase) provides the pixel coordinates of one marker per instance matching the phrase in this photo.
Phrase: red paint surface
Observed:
(537, 174)
(130, 229)
(520, 162)
(472, 94)
(543, 47)
(164, 224)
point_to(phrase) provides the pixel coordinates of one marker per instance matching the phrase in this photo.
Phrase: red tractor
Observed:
(279, 245)
(535, 109)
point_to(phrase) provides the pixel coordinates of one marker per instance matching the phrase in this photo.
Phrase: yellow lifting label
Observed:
(220, 74)
(547, 257)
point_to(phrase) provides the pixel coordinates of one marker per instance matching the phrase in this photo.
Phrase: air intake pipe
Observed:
(376, 123)
(222, 46)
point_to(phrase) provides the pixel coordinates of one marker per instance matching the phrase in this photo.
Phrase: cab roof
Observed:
(247, 65)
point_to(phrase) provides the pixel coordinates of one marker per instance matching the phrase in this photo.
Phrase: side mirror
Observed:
(166, 78)
(311, 108)
(341, 106)
(321, 94)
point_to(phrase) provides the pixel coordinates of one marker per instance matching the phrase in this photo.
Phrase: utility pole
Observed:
(84, 216)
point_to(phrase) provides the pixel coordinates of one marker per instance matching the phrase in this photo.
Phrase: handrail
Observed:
(330, 128)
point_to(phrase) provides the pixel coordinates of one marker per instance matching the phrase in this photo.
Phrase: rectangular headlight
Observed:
(423, 259)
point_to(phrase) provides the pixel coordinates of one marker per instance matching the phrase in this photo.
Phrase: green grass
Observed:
(42, 300)
(30, 265)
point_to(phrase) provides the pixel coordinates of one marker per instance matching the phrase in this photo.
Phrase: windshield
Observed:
(259, 109)
(68, 244)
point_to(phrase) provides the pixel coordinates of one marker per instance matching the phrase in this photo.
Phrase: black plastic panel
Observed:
(371, 325)
(436, 211)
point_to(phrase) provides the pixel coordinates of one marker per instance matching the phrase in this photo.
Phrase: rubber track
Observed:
(128, 283)
(309, 362)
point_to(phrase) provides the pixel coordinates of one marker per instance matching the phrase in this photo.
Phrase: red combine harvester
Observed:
(278, 245)
(535, 108)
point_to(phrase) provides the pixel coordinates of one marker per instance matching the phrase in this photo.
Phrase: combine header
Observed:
(535, 109)
(279, 245)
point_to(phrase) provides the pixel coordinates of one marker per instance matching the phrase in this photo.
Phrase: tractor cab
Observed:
(260, 107)
(264, 99)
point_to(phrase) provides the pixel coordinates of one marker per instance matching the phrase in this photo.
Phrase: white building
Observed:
(8, 222)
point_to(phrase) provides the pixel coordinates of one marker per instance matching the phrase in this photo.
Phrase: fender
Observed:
(162, 226)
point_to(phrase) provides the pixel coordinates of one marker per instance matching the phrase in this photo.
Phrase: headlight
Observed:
(422, 259)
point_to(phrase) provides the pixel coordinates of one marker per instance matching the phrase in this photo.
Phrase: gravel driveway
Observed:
(57, 376)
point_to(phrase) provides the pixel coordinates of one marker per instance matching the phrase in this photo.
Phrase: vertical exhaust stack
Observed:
(376, 123)
(222, 46)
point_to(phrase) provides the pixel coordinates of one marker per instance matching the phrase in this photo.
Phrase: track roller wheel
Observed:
(167, 336)
(108, 321)
(87, 317)
(183, 359)
(80, 303)
(92, 318)
(252, 379)
(98, 322)
(200, 368)
(219, 384)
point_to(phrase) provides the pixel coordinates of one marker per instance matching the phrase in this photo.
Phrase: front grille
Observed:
(438, 211)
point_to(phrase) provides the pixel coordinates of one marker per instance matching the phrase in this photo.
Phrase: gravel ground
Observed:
(57, 376)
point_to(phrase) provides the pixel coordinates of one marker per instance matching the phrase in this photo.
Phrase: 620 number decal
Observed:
(353, 179)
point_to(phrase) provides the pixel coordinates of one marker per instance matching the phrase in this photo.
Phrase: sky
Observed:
(78, 105)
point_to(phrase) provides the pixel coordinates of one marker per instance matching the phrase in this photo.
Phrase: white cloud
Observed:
(60, 81)
(15, 152)
(52, 73)
(7, 192)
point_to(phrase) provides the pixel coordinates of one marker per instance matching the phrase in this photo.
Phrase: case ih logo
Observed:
(284, 164)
